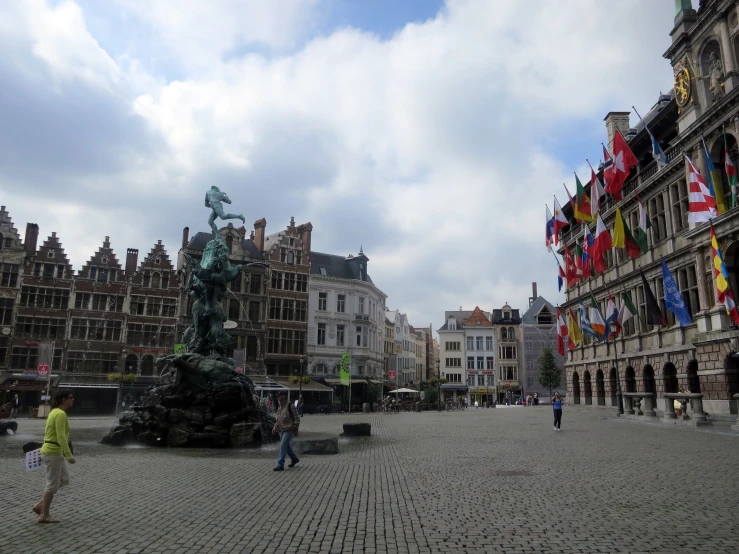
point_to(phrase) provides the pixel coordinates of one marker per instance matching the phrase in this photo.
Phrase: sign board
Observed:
(345, 368)
(398, 348)
(6, 331)
(180, 348)
(391, 374)
(228, 324)
(43, 370)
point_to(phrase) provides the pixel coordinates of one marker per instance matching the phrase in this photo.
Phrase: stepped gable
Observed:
(157, 261)
(50, 252)
(104, 257)
(8, 230)
(477, 319)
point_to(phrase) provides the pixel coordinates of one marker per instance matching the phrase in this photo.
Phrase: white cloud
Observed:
(433, 142)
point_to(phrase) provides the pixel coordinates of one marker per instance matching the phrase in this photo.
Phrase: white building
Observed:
(405, 349)
(346, 313)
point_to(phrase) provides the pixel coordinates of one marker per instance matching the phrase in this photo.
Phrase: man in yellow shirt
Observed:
(55, 453)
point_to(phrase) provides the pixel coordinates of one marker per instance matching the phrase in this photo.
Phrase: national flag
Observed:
(607, 165)
(583, 202)
(561, 277)
(570, 269)
(612, 326)
(601, 245)
(596, 193)
(597, 322)
(722, 280)
(654, 313)
(622, 237)
(587, 327)
(587, 245)
(619, 171)
(714, 181)
(578, 261)
(549, 230)
(730, 172)
(640, 234)
(578, 215)
(560, 221)
(657, 153)
(701, 204)
(673, 299)
(627, 309)
(574, 333)
(561, 333)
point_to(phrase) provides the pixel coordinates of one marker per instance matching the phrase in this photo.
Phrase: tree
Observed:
(549, 374)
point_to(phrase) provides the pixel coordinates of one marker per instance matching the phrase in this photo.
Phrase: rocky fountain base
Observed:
(200, 402)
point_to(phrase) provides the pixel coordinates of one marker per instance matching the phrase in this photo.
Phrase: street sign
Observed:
(391, 374)
(43, 370)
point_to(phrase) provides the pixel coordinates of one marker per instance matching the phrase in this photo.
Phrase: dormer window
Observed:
(50, 253)
(507, 315)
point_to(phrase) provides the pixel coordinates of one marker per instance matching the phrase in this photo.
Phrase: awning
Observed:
(398, 391)
(266, 384)
(353, 381)
(306, 387)
(18, 381)
(447, 386)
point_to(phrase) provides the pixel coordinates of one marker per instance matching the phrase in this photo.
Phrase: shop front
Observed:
(484, 396)
(453, 393)
(509, 390)
(30, 388)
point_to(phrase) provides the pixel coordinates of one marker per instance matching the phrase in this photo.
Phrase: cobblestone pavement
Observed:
(477, 481)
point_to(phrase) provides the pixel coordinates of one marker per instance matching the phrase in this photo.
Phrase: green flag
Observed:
(730, 171)
(344, 373)
(640, 235)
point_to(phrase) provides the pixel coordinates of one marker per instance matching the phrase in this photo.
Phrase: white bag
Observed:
(34, 460)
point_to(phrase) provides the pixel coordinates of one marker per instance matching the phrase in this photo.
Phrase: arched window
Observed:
(576, 387)
(147, 365)
(336, 369)
(291, 258)
(156, 280)
(511, 334)
(132, 364)
(503, 334)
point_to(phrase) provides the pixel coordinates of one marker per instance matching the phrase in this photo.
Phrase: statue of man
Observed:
(716, 74)
(213, 199)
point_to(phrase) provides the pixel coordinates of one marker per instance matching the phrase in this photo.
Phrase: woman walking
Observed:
(56, 453)
(557, 406)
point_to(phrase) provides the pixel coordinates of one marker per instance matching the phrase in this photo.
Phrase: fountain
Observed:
(200, 398)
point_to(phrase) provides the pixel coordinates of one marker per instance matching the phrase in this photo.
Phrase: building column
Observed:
(731, 79)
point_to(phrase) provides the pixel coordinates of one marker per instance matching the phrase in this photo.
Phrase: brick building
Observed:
(703, 355)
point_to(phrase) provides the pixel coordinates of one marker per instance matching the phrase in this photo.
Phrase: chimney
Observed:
(616, 120)
(305, 233)
(31, 240)
(259, 227)
(106, 242)
(533, 290)
(185, 236)
(132, 258)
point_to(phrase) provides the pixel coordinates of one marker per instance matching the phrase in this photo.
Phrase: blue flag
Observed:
(673, 298)
(657, 153)
(585, 324)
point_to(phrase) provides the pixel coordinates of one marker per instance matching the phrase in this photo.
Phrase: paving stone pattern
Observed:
(476, 481)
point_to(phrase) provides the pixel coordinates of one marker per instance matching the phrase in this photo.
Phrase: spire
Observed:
(361, 251)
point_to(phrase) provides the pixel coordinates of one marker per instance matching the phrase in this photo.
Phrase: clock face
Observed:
(682, 87)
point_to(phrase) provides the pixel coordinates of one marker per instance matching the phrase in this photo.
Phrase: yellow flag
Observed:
(618, 240)
(574, 331)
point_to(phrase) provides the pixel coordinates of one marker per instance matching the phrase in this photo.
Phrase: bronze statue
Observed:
(213, 199)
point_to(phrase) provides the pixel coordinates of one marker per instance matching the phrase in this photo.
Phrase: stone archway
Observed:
(613, 382)
(650, 385)
(600, 388)
(694, 383)
(588, 389)
(576, 387)
(630, 379)
(669, 378)
(131, 365)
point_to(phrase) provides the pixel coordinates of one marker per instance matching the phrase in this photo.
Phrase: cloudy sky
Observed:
(431, 133)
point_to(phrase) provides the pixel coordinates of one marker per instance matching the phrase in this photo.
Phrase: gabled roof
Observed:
(477, 319)
(53, 245)
(7, 228)
(157, 259)
(104, 257)
(539, 304)
(460, 316)
(200, 240)
(339, 267)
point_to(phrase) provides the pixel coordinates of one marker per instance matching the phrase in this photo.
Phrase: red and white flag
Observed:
(619, 170)
(560, 221)
(596, 192)
(561, 333)
(601, 245)
(701, 203)
(570, 269)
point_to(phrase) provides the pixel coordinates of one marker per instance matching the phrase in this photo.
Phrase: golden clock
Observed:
(683, 87)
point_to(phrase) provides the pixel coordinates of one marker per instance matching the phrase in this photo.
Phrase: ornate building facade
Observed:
(703, 105)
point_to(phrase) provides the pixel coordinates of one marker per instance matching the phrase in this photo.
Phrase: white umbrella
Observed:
(402, 390)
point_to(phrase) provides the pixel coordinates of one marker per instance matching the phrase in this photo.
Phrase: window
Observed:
(302, 283)
(361, 306)
(480, 380)
(49, 271)
(235, 284)
(288, 309)
(253, 311)
(478, 343)
(470, 343)
(470, 380)
(628, 328)
(154, 306)
(480, 361)
(37, 270)
(43, 297)
(301, 310)
(491, 380)
(489, 343)
(689, 287)
(323, 271)
(10, 275)
(82, 300)
(289, 281)
(339, 335)
(503, 334)
(274, 308)
(251, 347)
(454, 362)
(359, 336)
(96, 329)
(255, 285)
(454, 377)
(3, 350)
(92, 362)
(40, 327)
(511, 334)
(156, 280)
(230, 244)
(277, 280)
(488, 363)
(6, 310)
(138, 303)
(322, 300)
(285, 341)
(24, 358)
(507, 352)
(679, 199)
(641, 307)
(340, 302)
(50, 253)
(710, 288)
(59, 271)
(470, 362)
(234, 310)
(149, 336)
(321, 334)
(659, 291)
(147, 278)
(291, 258)
(657, 217)
(452, 346)
(169, 307)
(283, 254)
(99, 302)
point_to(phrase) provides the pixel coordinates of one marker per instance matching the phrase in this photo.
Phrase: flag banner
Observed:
(613, 327)
(596, 193)
(345, 368)
(730, 171)
(549, 235)
(641, 232)
(561, 278)
(560, 221)
(622, 237)
(627, 309)
(620, 169)
(657, 153)
(654, 313)
(561, 333)
(597, 323)
(673, 299)
(714, 180)
(722, 280)
(587, 328)
(574, 333)
(601, 245)
(570, 269)
(701, 204)
(587, 244)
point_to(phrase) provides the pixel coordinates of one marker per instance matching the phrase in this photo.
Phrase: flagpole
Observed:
(640, 117)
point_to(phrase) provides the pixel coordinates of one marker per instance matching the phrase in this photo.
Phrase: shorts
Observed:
(57, 475)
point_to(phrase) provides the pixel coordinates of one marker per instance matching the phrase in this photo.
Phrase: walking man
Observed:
(16, 404)
(557, 406)
(288, 422)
